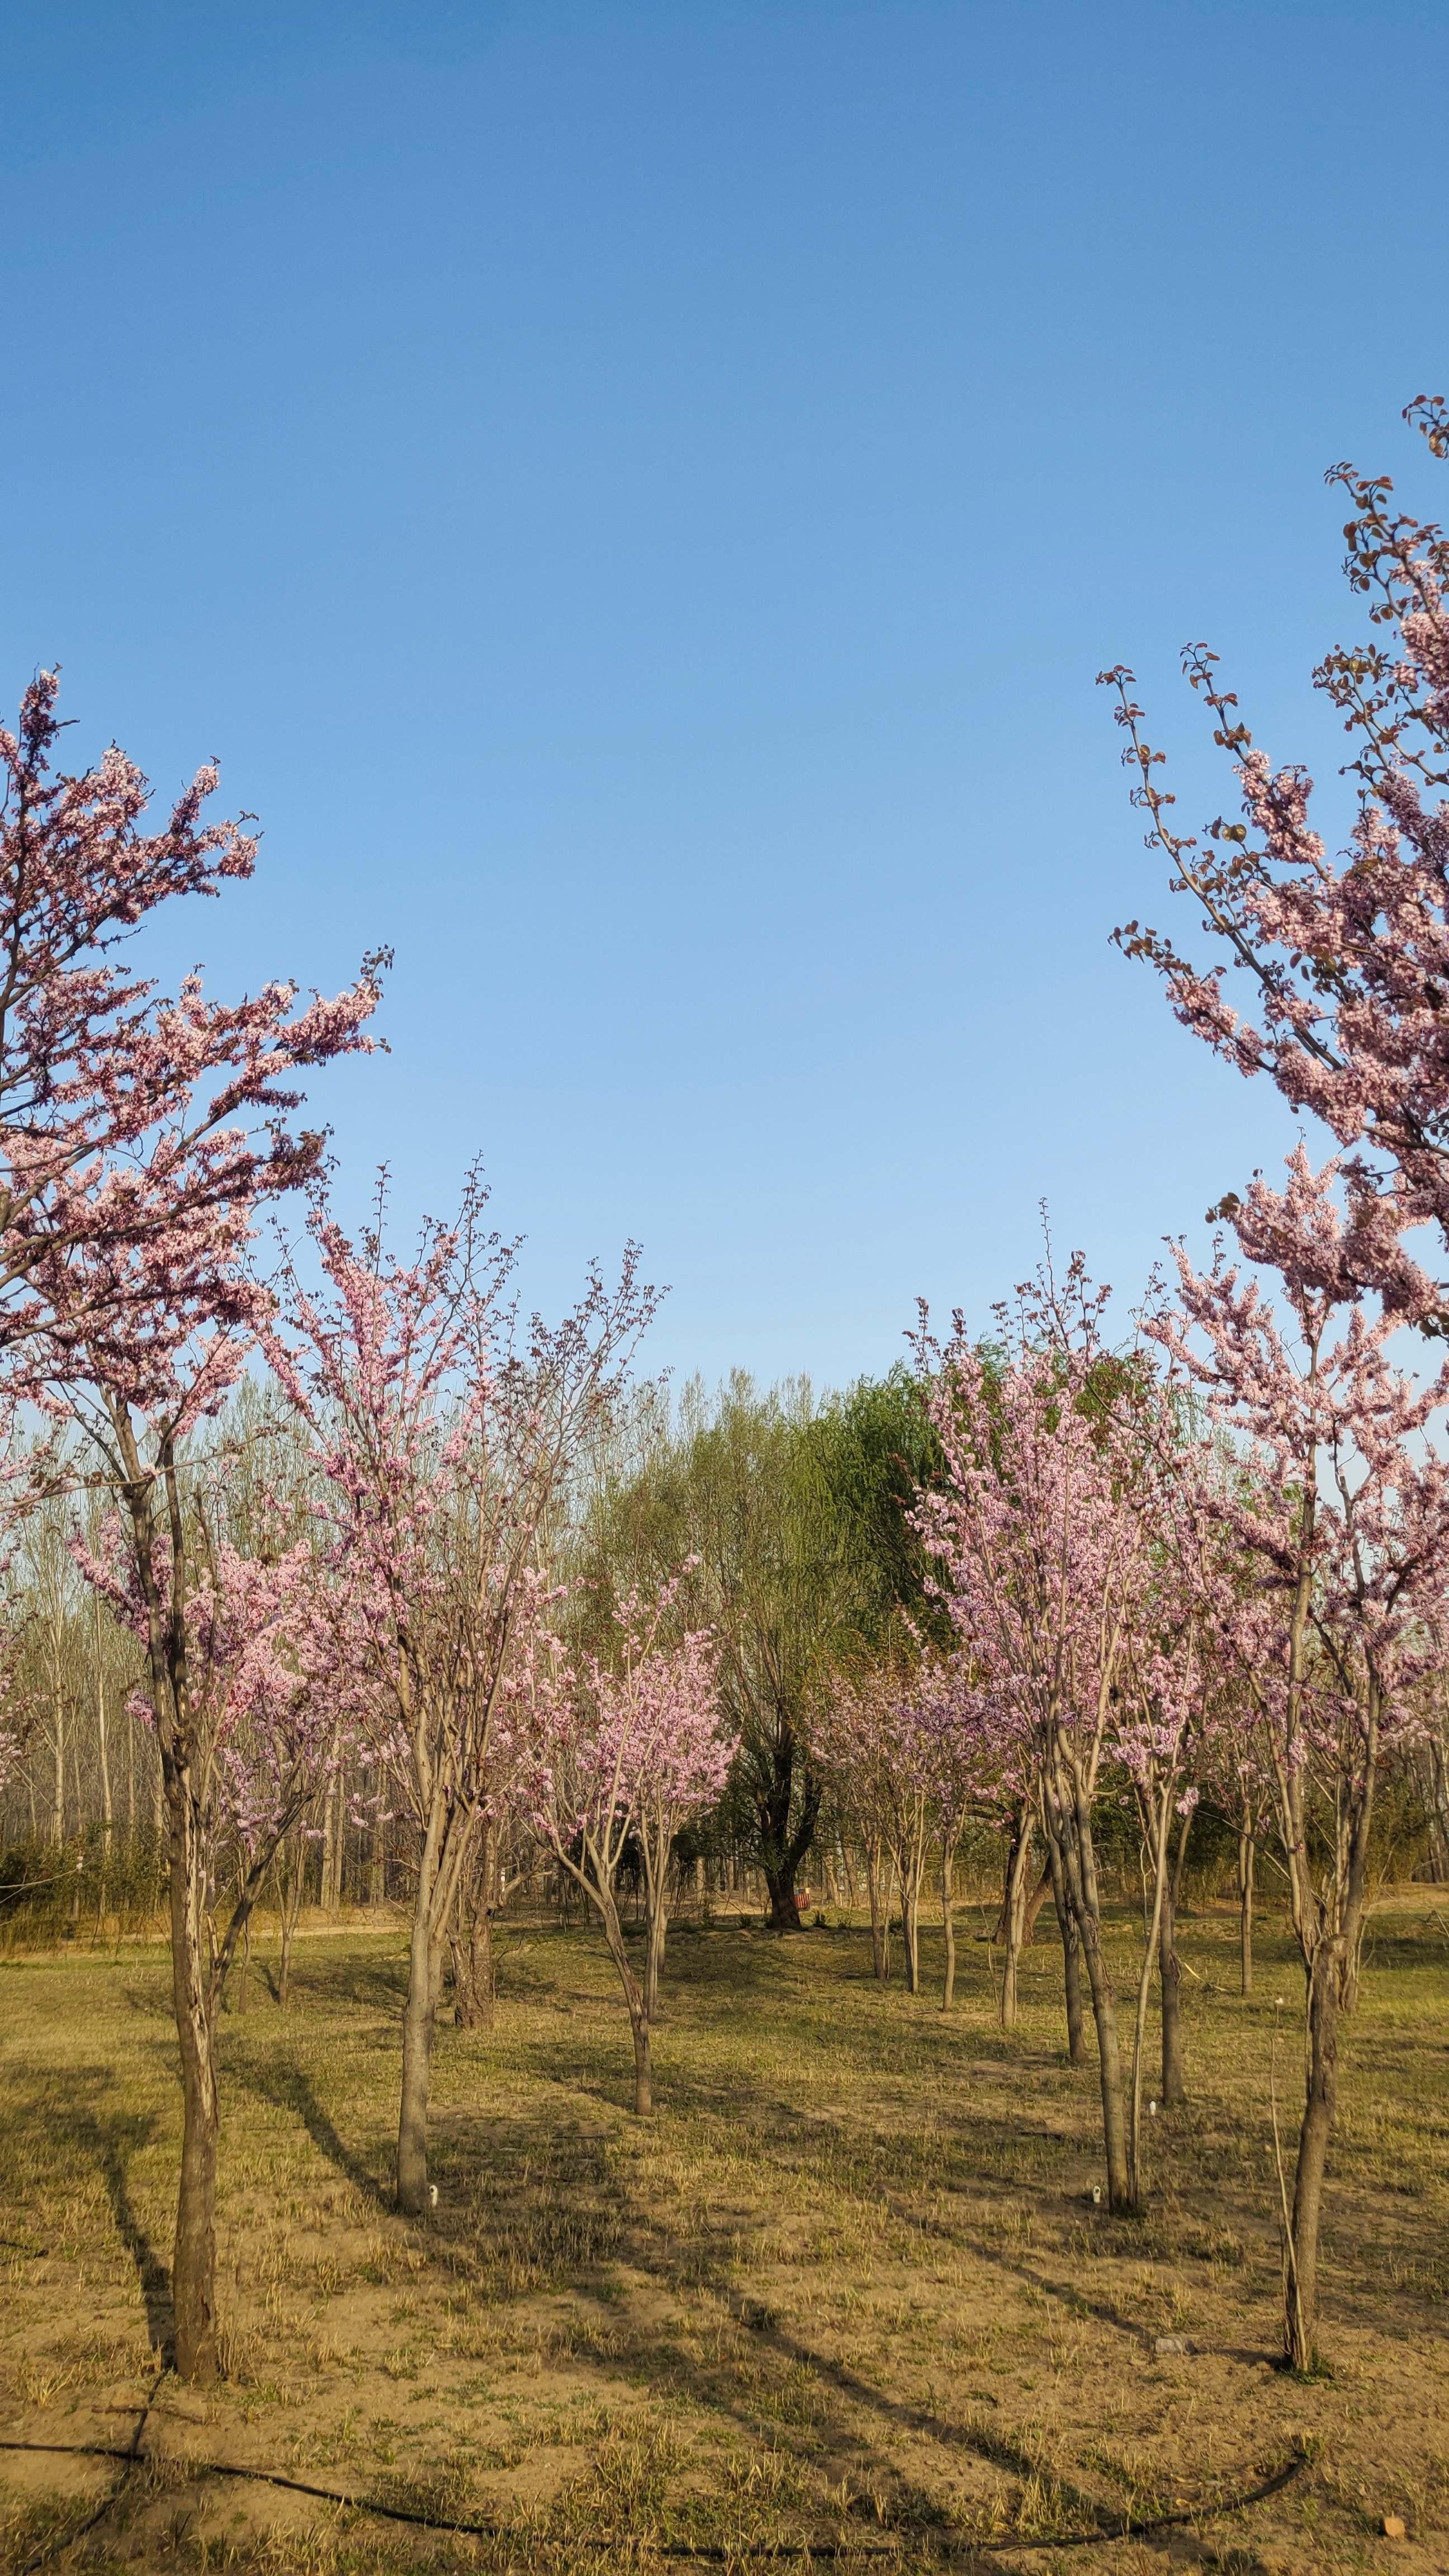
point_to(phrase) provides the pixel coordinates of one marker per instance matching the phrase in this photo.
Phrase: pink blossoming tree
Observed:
(1337, 1510)
(239, 1685)
(138, 1138)
(1346, 959)
(127, 1120)
(1044, 1567)
(442, 1440)
(619, 1757)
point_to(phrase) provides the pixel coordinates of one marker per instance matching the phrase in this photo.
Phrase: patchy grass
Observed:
(846, 2290)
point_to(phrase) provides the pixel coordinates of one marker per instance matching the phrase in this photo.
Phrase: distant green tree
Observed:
(796, 1511)
(876, 1450)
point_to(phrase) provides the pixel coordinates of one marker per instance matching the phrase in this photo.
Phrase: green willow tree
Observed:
(795, 1511)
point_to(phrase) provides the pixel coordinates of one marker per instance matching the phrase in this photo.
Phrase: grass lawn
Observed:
(847, 2288)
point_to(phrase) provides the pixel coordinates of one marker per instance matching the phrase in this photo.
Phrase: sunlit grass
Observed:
(848, 2286)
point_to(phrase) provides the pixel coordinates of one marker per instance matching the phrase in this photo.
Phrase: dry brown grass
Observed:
(847, 2288)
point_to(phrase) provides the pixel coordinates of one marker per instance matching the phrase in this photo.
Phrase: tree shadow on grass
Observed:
(536, 2207)
(282, 2083)
(373, 1981)
(113, 2138)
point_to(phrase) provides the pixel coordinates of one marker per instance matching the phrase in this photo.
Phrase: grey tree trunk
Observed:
(193, 2266)
(420, 2014)
(291, 1906)
(880, 1927)
(637, 1998)
(471, 1940)
(643, 2074)
(1013, 1910)
(1071, 1816)
(1319, 2109)
(948, 1924)
(447, 1849)
(911, 1930)
(1071, 1956)
(1109, 2055)
(1169, 1970)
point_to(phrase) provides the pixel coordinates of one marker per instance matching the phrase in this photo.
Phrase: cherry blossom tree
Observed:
(1044, 1567)
(442, 1439)
(237, 1678)
(259, 1647)
(127, 1120)
(138, 1138)
(1347, 959)
(1336, 1503)
(620, 1757)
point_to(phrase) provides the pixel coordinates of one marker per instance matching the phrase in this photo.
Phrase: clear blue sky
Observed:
(636, 497)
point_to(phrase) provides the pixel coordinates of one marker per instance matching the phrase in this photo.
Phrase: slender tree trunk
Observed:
(1020, 1830)
(290, 1891)
(643, 2073)
(1071, 1956)
(1246, 1856)
(472, 1940)
(104, 1757)
(1300, 2321)
(420, 2011)
(910, 1885)
(1071, 1814)
(654, 1936)
(193, 1984)
(948, 1923)
(602, 1895)
(193, 2268)
(1160, 1823)
(419, 2021)
(880, 1929)
(1435, 1774)
(57, 1804)
(1169, 1969)
(1014, 1910)
(1031, 1911)
(1109, 2056)
(329, 1886)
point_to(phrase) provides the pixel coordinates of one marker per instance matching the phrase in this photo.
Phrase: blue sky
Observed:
(636, 497)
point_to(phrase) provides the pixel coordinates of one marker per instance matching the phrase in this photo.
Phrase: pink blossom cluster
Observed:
(1041, 1530)
(267, 1701)
(636, 1744)
(1348, 957)
(1318, 1538)
(136, 1133)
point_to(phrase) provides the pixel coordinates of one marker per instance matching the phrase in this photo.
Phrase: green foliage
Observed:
(874, 1449)
(796, 1513)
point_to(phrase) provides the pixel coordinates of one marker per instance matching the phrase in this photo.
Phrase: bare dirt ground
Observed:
(846, 2298)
